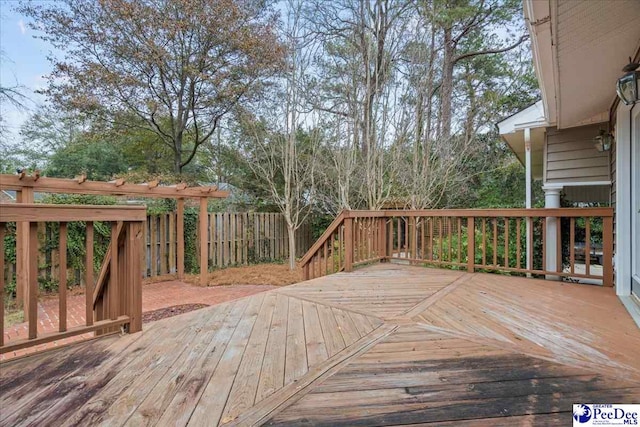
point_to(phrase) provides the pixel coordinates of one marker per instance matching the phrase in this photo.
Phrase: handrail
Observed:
(321, 240)
(487, 213)
(472, 239)
(36, 212)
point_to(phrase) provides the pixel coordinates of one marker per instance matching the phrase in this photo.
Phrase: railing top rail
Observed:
(497, 213)
(34, 212)
(328, 232)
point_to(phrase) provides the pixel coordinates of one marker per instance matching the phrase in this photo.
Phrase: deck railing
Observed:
(576, 243)
(114, 301)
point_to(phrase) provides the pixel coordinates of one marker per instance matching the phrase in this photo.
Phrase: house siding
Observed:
(571, 156)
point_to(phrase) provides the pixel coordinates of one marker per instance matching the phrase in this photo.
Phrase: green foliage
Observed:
(191, 263)
(100, 160)
(319, 223)
(10, 289)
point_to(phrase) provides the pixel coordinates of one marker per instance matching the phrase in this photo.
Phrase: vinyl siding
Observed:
(571, 156)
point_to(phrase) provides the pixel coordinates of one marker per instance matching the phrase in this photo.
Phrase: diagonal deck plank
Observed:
(213, 400)
(296, 363)
(245, 384)
(316, 346)
(273, 366)
(179, 410)
(568, 322)
(384, 290)
(386, 344)
(383, 387)
(332, 335)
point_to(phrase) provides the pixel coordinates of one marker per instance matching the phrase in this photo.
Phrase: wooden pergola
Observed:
(26, 186)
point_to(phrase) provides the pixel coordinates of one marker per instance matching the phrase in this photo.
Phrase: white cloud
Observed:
(23, 28)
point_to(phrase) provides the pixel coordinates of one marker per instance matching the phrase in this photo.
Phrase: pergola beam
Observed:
(115, 188)
(26, 185)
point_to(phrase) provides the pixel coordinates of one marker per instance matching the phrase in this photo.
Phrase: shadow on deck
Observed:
(385, 345)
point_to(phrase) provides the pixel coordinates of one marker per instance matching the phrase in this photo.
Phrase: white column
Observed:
(527, 165)
(551, 200)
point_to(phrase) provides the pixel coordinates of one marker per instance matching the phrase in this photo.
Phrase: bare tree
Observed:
(361, 43)
(283, 155)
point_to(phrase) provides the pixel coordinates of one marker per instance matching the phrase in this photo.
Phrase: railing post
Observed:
(607, 251)
(204, 242)
(412, 235)
(348, 243)
(134, 275)
(179, 239)
(471, 244)
(382, 227)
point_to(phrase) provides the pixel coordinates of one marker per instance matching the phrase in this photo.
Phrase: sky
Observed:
(24, 62)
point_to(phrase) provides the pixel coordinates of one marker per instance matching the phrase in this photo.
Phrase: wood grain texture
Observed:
(385, 345)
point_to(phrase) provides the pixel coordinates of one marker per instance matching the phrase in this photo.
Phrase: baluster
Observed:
(450, 237)
(88, 278)
(459, 240)
(484, 242)
(530, 254)
(441, 250)
(587, 245)
(519, 242)
(431, 238)
(62, 283)
(32, 261)
(495, 242)
(506, 242)
(572, 242)
(113, 273)
(326, 257)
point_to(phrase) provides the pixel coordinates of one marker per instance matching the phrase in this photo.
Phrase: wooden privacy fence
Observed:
(116, 298)
(232, 239)
(548, 242)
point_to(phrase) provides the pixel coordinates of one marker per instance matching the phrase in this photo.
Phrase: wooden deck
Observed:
(385, 345)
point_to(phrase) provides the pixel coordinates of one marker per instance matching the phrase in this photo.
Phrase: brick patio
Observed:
(154, 297)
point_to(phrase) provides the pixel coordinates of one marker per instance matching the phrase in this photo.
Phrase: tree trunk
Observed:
(292, 246)
(177, 155)
(446, 91)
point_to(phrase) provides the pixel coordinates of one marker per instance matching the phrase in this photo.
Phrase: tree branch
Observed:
(490, 51)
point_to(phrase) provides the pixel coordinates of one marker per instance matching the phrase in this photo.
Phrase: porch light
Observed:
(603, 141)
(628, 86)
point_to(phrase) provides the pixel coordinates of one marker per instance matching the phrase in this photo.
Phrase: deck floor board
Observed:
(384, 345)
